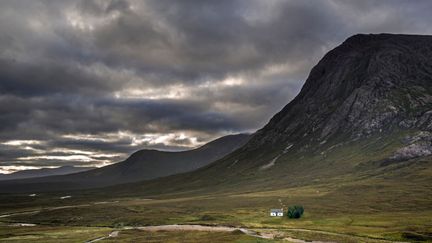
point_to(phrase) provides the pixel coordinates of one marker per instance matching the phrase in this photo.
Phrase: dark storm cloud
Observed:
(88, 82)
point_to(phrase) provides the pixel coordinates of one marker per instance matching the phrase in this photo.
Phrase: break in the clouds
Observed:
(87, 82)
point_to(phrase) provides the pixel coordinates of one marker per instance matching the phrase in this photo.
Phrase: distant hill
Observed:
(63, 170)
(149, 164)
(141, 165)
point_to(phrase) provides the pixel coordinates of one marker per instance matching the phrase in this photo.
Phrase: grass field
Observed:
(355, 212)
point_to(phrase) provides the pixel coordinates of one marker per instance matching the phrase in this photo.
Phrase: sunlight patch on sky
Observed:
(21, 142)
(83, 158)
(177, 91)
(170, 139)
(8, 169)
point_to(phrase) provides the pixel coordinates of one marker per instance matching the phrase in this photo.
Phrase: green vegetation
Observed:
(295, 212)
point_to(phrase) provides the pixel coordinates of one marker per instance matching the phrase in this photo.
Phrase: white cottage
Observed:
(276, 212)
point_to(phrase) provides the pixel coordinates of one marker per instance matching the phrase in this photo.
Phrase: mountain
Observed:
(141, 165)
(365, 111)
(63, 170)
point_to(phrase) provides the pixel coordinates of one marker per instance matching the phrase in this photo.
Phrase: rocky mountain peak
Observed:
(368, 84)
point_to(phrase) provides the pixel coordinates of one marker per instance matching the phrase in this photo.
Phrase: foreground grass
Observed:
(50, 234)
(354, 212)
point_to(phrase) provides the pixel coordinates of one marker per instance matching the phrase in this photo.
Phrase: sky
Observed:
(87, 82)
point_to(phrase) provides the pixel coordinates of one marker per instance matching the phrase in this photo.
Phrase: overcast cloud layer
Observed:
(88, 82)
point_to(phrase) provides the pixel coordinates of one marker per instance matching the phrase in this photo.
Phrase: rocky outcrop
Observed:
(418, 145)
(412, 151)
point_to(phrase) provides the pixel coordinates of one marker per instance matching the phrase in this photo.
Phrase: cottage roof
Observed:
(278, 210)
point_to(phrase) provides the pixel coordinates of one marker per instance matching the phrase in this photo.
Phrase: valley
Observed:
(247, 210)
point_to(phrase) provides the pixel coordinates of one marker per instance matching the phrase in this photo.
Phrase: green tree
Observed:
(295, 212)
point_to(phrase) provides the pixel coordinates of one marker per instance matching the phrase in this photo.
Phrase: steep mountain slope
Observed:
(142, 165)
(369, 84)
(63, 170)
